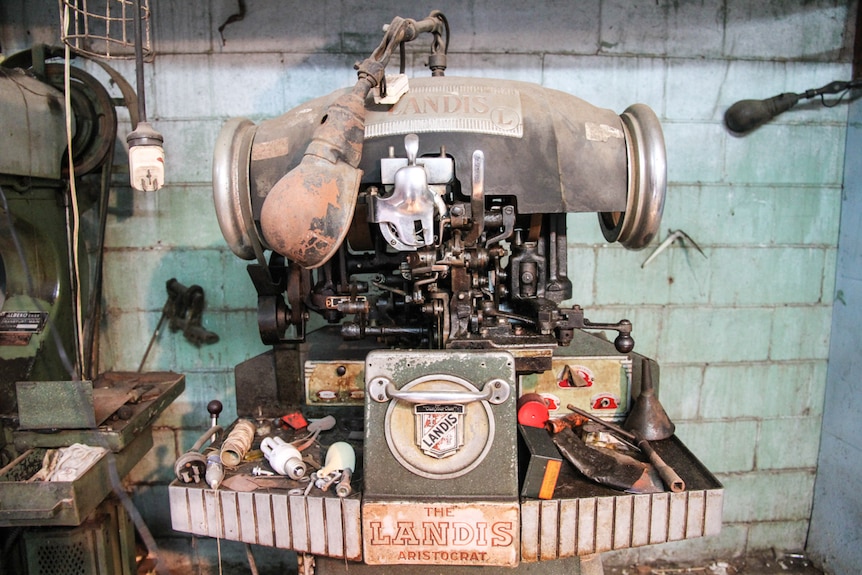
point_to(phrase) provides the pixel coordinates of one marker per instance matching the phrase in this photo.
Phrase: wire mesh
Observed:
(105, 28)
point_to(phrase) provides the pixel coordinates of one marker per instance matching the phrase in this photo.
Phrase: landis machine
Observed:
(481, 421)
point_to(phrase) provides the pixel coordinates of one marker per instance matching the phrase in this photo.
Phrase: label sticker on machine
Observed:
(433, 533)
(16, 327)
(600, 385)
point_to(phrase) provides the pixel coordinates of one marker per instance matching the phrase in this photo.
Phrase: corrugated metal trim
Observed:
(328, 526)
(550, 529)
(561, 528)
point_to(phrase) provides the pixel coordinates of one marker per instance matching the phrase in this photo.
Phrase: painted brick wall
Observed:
(742, 334)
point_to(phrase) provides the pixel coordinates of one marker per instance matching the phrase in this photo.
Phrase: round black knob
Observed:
(215, 407)
(624, 343)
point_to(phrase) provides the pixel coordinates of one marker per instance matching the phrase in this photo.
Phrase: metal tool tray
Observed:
(585, 517)
(110, 392)
(582, 518)
(40, 503)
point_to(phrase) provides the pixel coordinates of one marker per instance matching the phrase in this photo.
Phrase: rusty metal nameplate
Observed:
(451, 108)
(599, 385)
(441, 533)
(335, 383)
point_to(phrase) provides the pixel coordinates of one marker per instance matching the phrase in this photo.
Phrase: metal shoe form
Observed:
(647, 417)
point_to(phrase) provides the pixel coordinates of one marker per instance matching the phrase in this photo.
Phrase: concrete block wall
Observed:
(742, 334)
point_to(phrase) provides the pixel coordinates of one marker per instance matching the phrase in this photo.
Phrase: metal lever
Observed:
(574, 319)
(496, 391)
(477, 199)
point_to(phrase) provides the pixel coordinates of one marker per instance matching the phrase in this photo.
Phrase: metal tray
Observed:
(39, 503)
(110, 392)
(582, 518)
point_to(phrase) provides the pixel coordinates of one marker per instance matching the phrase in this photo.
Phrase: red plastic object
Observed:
(295, 420)
(532, 410)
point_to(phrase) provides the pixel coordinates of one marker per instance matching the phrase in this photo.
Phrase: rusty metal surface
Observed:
(330, 383)
(308, 212)
(600, 385)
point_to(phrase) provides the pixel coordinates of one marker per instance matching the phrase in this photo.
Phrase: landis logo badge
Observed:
(439, 429)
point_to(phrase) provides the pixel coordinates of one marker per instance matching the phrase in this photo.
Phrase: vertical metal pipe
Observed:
(139, 63)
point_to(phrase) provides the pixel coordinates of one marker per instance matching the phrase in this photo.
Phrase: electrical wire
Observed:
(73, 194)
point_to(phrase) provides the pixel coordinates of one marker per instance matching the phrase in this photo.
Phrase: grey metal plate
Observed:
(496, 476)
(55, 404)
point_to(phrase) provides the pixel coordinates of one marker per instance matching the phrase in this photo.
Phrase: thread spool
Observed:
(238, 443)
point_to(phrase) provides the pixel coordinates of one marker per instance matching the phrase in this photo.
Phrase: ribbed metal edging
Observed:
(560, 528)
(327, 526)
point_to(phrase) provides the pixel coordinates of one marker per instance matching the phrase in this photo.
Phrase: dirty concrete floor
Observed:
(755, 564)
(194, 557)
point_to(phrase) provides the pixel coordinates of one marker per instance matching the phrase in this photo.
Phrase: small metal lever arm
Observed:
(477, 199)
(574, 319)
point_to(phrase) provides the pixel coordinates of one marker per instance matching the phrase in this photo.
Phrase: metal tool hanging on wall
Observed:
(184, 311)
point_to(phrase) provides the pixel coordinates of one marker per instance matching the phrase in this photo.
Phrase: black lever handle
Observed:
(574, 319)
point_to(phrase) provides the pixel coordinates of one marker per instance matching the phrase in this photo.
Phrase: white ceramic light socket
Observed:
(283, 457)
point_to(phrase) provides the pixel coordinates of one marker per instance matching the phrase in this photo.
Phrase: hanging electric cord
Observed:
(139, 63)
(146, 154)
(75, 228)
